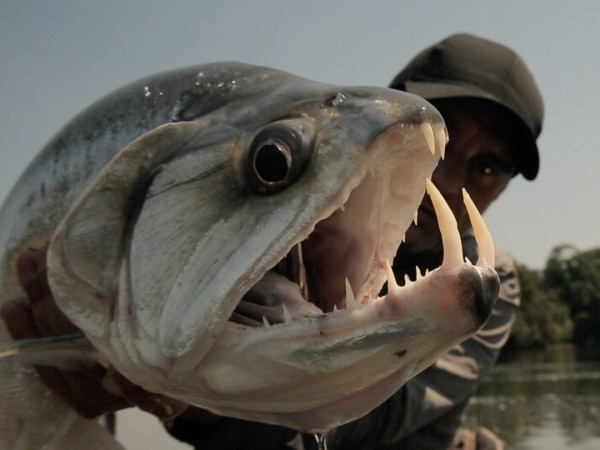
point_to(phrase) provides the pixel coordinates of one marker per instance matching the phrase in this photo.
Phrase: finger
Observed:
(48, 318)
(31, 270)
(19, 321)
(83, 390)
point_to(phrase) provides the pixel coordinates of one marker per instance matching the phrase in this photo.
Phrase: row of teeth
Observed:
(431, 137)
(452, 247)
(452, 244)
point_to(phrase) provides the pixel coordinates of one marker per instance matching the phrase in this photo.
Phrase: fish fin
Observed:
(52, 350)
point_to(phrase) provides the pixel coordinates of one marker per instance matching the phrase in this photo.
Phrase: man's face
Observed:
(478, 158)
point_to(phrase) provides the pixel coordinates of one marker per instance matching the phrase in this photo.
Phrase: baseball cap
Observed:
(464, 65)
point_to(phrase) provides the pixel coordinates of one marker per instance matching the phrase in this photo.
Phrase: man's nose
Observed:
(450, 180)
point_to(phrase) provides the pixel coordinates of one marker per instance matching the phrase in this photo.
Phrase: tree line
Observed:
(560, 303)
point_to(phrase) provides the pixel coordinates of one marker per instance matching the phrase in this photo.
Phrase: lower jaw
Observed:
(339, 412)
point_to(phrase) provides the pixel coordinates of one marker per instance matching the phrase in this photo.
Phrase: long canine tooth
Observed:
(487, 252)
(391, 278)
(302, 275)
(427, 131)
(287, 317)
(350, 300)
(266, 322)
(442, 140)
(416, 216)
(448, 228)
(407, 280)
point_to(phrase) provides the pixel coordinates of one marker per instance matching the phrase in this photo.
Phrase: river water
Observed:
(535, 400)
(546, 399)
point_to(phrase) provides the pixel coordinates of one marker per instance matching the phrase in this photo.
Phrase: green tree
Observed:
(542, 319)
(575, 277)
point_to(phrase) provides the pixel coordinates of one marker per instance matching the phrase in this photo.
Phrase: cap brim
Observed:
(528, 161)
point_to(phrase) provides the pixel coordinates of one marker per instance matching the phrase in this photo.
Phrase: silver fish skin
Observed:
(164, 208)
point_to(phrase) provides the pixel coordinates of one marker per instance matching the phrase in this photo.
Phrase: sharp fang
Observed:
(427, 131)
(391, 278)
(407, 280)
(302, 275)
(287, 317)
(416, 216)
(266, 322)
(442, 140)
(350, 300)
(487, 252)
(448, 228)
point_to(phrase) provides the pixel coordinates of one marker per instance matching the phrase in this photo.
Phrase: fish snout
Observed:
(479, 287)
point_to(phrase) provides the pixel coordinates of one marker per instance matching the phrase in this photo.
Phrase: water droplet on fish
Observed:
(321, 442)
(339, 99)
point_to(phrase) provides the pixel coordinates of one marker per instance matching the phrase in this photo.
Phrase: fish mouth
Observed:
(345, 261)
(313, 344)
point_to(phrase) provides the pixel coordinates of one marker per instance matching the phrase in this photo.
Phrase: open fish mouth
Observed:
(331, 347)
(345, 260)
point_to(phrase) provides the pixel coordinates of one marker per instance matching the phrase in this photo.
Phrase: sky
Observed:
(58, 57)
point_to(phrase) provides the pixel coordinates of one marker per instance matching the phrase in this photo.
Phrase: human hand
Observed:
(482, 439)
(91, 390)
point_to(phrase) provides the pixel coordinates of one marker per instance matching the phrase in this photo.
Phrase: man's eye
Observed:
(492, 165)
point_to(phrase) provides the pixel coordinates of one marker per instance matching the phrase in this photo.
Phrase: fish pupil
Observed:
(271, 163)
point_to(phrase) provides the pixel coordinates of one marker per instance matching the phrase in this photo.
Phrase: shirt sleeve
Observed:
(230, 433)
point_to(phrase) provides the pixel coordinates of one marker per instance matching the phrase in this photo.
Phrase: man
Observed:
(494, 113)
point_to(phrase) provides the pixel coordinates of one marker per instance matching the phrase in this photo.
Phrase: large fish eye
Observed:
(279, 154)
(272, 161)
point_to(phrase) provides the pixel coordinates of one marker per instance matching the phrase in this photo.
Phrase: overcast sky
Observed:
(59, 56)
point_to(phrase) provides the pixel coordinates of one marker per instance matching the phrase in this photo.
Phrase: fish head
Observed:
(267, 182)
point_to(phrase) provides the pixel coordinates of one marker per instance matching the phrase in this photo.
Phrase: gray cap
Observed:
(464, 65)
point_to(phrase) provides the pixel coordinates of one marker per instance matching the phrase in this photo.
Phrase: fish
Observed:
(221, 234)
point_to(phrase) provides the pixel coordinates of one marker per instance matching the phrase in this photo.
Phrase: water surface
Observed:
(544, 399)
